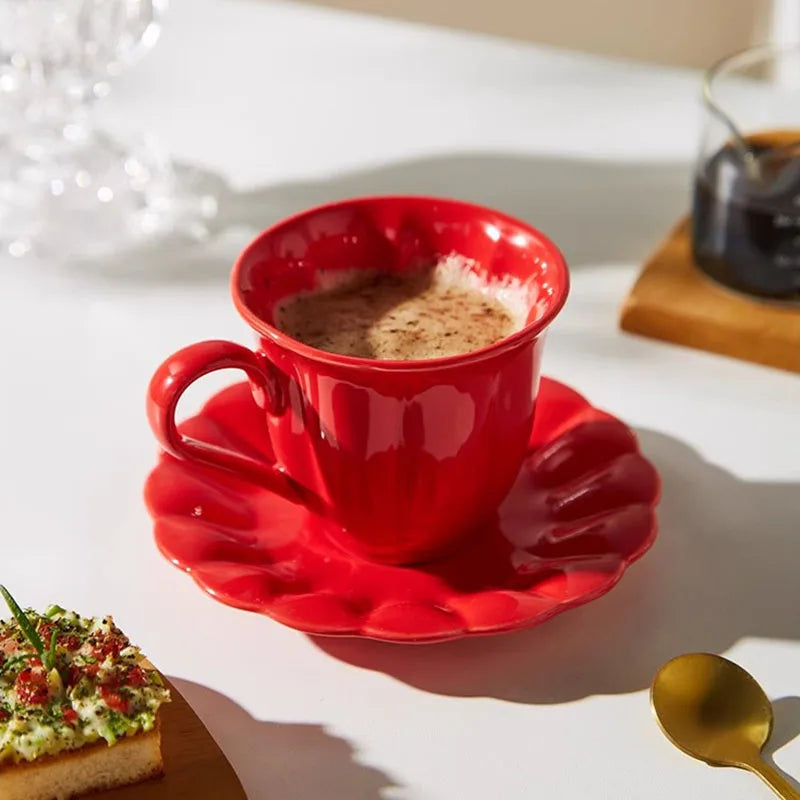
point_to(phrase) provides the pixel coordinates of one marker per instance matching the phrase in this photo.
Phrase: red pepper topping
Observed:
(69, 641)
(45, 632)
(114, 699)
(31, 686)
(136, 677)
(109, 644)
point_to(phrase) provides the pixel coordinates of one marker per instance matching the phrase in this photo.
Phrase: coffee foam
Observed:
(456, 270)
(509, 291)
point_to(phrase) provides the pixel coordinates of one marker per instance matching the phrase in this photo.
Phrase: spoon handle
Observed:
(774, 780)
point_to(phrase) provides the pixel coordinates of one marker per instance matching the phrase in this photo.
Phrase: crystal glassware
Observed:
(68, 189)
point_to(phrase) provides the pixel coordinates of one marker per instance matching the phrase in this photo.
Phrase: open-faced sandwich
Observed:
(78, 706)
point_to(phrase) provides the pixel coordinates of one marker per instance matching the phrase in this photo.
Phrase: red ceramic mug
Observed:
(406, 456)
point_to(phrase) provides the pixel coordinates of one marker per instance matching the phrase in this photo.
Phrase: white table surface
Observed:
(287, 106)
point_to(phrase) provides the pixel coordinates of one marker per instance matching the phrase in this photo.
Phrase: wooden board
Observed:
(673, 301)
(194, 766)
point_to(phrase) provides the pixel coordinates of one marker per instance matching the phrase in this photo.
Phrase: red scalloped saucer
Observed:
(582, 509)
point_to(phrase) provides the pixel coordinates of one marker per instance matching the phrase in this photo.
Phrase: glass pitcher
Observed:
(746, 210)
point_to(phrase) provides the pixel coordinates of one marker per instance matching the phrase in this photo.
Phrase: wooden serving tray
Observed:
(194, 766)
(673, 301)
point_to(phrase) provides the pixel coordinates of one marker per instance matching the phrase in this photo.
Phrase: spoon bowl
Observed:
(715, 711)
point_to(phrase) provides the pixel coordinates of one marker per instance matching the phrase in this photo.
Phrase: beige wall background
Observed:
(691, 33)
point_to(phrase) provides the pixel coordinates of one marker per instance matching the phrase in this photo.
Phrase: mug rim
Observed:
(529, 331)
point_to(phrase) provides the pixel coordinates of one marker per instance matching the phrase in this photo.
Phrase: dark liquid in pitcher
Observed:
(745, 228)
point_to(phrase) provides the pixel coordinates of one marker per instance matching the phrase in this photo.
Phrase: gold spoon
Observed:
(713, 710)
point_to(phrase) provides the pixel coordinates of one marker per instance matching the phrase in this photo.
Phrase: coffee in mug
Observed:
(435, 312)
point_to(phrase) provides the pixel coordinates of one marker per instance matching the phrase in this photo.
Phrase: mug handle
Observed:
(178, 372)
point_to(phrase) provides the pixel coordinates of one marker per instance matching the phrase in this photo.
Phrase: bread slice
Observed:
(76, 717)
(92, 768)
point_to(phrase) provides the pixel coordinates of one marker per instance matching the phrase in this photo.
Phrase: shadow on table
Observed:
(785, 730)
(282, 761)
(597, 211)
(725, 566)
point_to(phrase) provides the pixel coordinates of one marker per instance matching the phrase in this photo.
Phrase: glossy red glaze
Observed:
(408, 457)
(580, 511)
